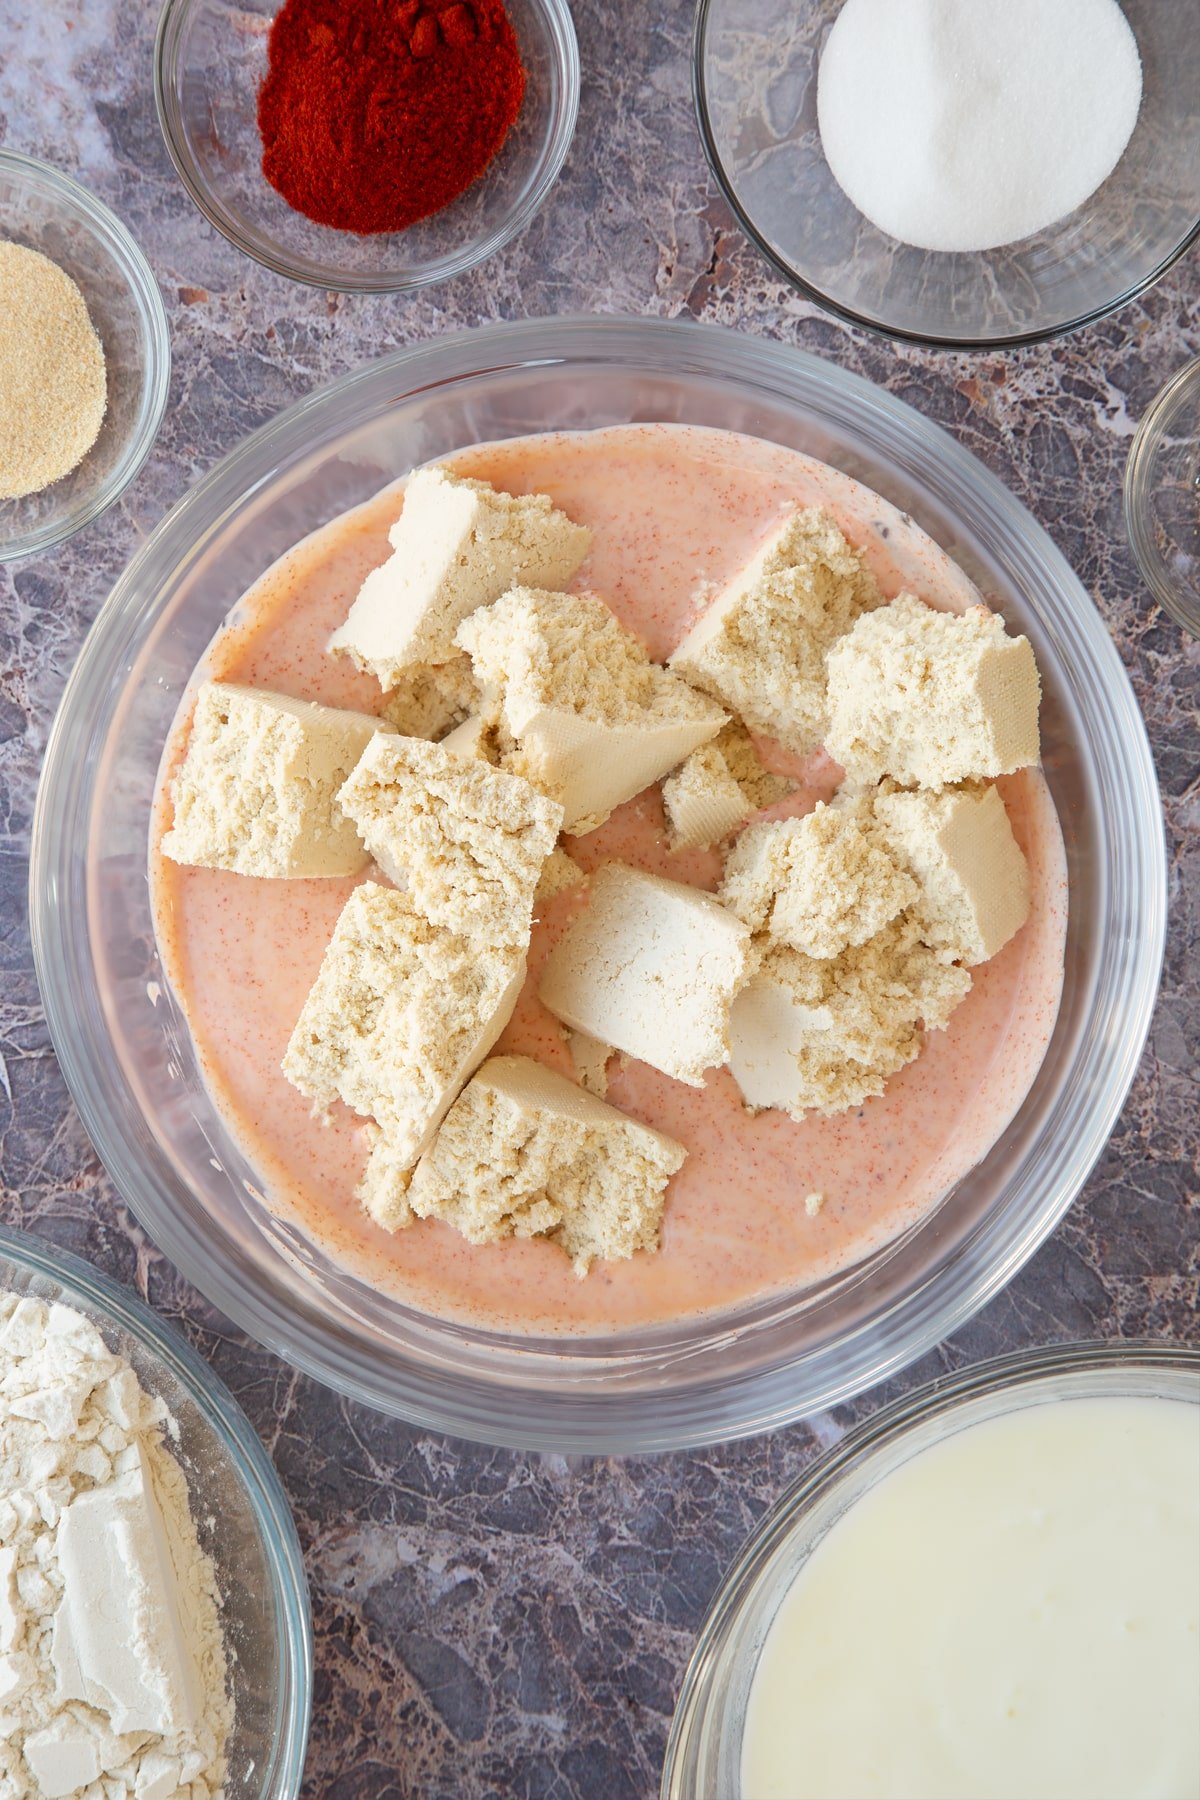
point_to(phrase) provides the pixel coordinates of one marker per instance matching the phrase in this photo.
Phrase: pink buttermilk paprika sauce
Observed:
(675, 510)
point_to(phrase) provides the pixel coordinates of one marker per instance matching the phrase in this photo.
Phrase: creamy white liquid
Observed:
(1014, 1614)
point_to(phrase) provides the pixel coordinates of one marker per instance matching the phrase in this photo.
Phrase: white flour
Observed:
(964, 124)
(112, 1662)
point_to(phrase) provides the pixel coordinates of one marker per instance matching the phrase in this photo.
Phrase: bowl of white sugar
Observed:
(965, 175)
(155, 1636)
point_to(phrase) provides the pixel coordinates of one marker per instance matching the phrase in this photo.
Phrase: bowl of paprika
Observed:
(364, 146)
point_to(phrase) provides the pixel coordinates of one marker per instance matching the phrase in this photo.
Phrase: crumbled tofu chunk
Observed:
(595, 720)
(523, 1152)
(457, 545)
(822, 1035)
(973, 877)
(484, 737)
(931, 698)
(257, 789)
(474, 741)
(383, 1191)
(760, 647)
(590, 1060)
(716, 788)
(401, 1013)
(820, 883)
(468, 842)
(702, 801)
(650, 967)
(430, 699)
(761, 786)
(559, 873)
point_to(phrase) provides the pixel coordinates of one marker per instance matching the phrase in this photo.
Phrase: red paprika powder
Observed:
(376, 113)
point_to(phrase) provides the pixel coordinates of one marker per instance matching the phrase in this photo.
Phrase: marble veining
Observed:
(487, 1623)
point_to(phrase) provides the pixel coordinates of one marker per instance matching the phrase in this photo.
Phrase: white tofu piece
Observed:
(974, 880)
(457, 545)
(650, 967)
(471, 740)
(257, 790)
(819, 883)
(594, 767)
(822, 1035)
(466, 841)
(383, 1190)
(595, 720)
(930, 698)
(430, 699)
(560, 872)
(771, 1027)
(702, 801)
(717, 787)
(401, 1014)
(760, 646)
(590, 1060)
(523, 1152)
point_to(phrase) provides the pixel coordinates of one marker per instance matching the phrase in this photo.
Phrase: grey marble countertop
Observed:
(490, 1623)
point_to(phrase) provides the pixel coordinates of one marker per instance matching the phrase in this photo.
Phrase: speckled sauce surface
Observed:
(673, 511)
(490, 1623)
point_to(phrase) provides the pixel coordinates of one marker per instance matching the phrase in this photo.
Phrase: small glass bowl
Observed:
(755, 79)
(1162, 497)
(704, 1750)
(47, 211)
(238, 1505)
(209, 63)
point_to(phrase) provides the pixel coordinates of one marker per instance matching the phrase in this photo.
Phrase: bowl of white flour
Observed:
(967, 174)
(155, 1636)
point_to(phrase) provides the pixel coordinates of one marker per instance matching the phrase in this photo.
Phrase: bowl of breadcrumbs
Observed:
(85, 357)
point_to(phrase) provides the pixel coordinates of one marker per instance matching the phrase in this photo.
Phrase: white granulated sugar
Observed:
(113, 1673)
(964, 124)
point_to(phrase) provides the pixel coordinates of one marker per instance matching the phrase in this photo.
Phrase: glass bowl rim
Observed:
(541, 1410)
(1040, 334)
(1136, 494)
(94, 1292)
(561, 27)
(1011, 1372)
(139, 277)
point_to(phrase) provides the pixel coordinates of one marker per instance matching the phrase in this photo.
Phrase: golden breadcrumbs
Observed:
(53, 388)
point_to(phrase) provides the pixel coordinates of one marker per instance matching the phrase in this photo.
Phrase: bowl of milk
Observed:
(991, 1588)
(968, 174)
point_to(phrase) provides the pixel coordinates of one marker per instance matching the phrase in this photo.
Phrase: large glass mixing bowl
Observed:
(125, 1048)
